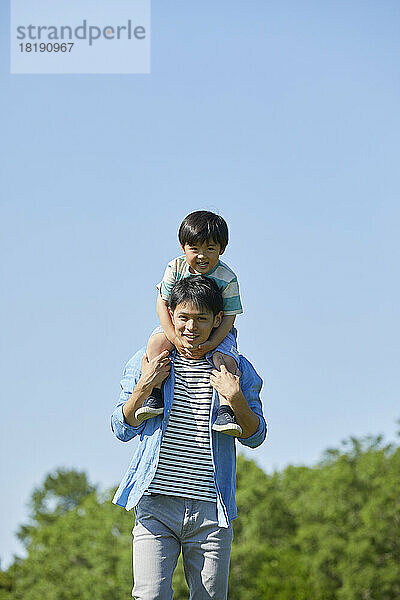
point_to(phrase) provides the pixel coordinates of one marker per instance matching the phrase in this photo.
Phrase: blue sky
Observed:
(284, 119)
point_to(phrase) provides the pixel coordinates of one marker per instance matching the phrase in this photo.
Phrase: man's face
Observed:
(193, 325)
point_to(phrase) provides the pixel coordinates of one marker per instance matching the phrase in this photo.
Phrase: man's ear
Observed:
(222, 251)
(218, 319)
(171, 314)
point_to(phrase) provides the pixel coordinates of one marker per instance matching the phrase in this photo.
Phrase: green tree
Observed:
(330, 532)
(347, 513)
(263, 553)
(6, 585)
(61, 491)
(370, 566)
(84, 554)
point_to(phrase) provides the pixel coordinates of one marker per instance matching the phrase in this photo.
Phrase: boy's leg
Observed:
(157, 343)
(226, 353)
(155, 551)
(154, 404)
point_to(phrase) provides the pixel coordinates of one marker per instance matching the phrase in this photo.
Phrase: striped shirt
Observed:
(185, 465)
(223, 276)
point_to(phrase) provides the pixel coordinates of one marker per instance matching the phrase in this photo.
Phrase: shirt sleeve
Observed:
(121, 429)
(251, 384)
(231, 298)
(165, 286)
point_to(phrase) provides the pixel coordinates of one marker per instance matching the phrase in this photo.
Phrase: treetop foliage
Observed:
(327, 532)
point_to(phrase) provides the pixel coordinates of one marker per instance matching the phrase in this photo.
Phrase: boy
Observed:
(203, 236)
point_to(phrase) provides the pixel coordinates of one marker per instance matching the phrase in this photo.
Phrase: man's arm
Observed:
(243, 395)
(153, 374)
(136, 387)
(228, 385)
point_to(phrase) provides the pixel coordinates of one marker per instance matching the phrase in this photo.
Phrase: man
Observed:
(182, 478)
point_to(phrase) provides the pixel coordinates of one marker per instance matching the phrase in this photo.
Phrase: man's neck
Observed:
(189, 357)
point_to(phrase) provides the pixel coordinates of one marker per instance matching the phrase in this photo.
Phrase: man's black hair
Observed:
(202, 225)
(201, 291)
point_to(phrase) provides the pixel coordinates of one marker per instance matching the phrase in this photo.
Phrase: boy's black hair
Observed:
(201, 291)
(201, 226)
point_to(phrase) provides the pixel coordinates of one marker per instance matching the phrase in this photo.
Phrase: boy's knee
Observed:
(157, 343)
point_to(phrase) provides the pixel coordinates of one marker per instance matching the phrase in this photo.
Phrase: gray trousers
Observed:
(165, 525)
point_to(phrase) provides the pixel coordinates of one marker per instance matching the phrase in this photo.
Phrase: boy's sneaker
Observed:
(151, 407)
(226, 422)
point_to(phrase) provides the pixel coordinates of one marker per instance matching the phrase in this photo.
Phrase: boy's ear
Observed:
(171, 314)
(218, 319)
(222, 251)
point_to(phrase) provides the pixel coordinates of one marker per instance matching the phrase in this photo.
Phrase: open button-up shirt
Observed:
(223, 450)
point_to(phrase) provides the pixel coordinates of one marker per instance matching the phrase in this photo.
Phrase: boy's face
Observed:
(193, 325)
(201, 258)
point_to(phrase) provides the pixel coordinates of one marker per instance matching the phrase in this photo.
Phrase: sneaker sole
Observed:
(146, 413)
(233, 430)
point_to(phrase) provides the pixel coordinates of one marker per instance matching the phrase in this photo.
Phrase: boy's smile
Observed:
(202, 258)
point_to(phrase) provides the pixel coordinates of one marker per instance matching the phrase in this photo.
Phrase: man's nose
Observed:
(190, 324)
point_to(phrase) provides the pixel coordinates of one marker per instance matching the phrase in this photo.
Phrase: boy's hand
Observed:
(226, 384)
(180, 347)
(200, 351)
(204, 348)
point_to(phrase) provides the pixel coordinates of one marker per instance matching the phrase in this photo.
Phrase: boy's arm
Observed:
(165, 319)
(218, 334)
(167, 325)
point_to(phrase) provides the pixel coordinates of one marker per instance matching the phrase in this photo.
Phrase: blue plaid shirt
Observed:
(223, 450)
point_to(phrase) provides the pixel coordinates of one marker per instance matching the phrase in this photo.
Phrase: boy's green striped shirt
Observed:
(223, 276)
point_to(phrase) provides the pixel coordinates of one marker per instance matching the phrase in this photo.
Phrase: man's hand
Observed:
(226, 384)
(154, 371)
